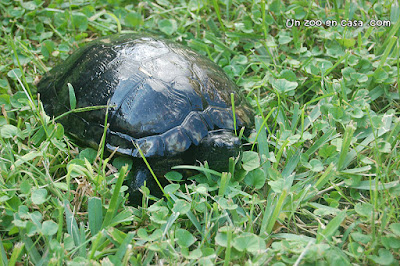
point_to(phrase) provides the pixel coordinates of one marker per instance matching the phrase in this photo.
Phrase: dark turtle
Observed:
(172, 102)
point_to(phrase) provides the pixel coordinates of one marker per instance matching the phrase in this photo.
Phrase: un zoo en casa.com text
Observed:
(290, 23)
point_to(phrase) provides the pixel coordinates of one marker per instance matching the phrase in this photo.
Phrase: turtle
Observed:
(163, 98)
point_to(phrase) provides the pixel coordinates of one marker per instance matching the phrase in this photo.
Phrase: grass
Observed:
(321, 188)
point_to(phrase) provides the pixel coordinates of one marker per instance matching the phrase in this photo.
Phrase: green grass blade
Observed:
(387, 51)
(96, 243)
(72, 97)
(300, 238)
(378, 186)
(261, 127)
(121, 217)
(112, 208)
(314, 114)
(276, 211)
(149, 258)
(262, 139)
(34, 254)
(233, 112)
(279, 154)
(331, 227)
(209, 36)
(72, 226)
(295, 118)
(348, 135)
(216, 8)
(119, 28)
(324, 177)
(80, 110)
(198, 168)
(291, 165)
(151, 171)
(3, 256)
(228, 249)
(124, 246)
(194, 221)
(320, 142)
(95, 213)
(170, 222)
(82, 238)
(388, 38)
(232, 166)
(16, 253)
(225, 178)
(267, 213)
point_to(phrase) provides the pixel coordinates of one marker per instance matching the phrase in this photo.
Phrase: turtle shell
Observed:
(161, 95)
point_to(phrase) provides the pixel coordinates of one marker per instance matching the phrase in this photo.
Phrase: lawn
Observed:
(318, 180)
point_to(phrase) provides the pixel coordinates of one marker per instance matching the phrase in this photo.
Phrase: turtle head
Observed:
(217, 147)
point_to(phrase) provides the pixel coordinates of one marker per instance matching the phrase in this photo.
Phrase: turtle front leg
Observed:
(139, 176)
